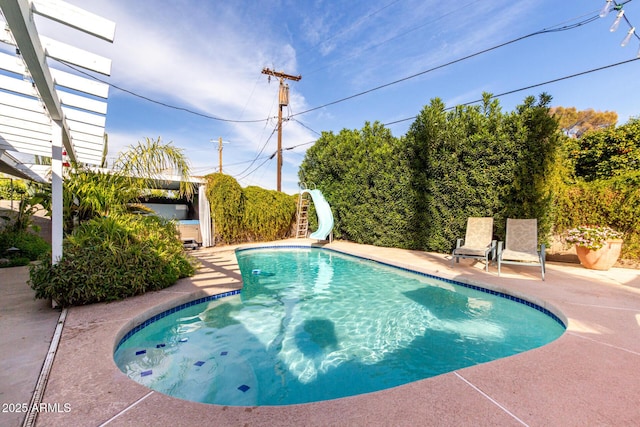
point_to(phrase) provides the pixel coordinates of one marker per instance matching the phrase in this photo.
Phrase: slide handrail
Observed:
(303, 186)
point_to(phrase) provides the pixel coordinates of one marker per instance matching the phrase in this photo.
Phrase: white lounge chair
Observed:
(478, 241)
(521, 245)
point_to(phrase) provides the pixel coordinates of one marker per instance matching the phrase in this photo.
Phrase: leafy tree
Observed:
(364, 174)
(148, 161)
(608, 152)
(90, 193)
(10, 188)
(34, 198)
(417, 191)
(537, 145)
(575, 123)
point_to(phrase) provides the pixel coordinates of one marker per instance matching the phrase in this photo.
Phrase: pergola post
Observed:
(56, 191)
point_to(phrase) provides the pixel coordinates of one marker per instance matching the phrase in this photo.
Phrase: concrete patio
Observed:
(589, 376)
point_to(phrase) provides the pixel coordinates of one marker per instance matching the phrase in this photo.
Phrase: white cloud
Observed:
(202, 57)
(208, 56)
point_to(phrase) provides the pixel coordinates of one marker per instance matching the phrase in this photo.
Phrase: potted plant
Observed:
(598, 247)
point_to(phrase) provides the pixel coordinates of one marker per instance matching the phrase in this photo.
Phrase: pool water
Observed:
(313, 324)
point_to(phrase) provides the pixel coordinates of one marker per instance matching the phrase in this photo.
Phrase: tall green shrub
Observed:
(537, 143)
(108, 259)
(359, 173)
(417, 191)
(463, 164)
(31, 245)
(227, 200)
(604, 153)
(250, 214)
(268, 214)
(613, 202)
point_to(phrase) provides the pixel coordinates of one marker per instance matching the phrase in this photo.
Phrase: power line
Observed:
(258, 156)
(254, 170)
(260, 152)
(466, 103)
(164, 104)
(544, 31)
(550, 30)
(593, 70)
(410, 30)
(450, 108)
(266, 159)
(346, 30)
(300, 145)
(305, 126)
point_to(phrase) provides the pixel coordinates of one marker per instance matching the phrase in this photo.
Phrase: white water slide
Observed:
(325, 216)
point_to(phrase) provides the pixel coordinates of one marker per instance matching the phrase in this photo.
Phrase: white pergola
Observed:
(45, 111)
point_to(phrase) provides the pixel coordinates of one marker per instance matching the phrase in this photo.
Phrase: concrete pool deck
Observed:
(589, 376)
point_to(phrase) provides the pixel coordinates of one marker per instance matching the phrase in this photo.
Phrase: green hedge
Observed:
(12, 188)
(268, 215)
(613, 202)
(357, 171)
(603, 153)
(417, 191)
(226, 200)
(250, 214)
(108, 259)
(31, 246)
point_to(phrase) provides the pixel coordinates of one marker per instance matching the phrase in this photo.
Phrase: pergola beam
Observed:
(18, 16)
(13, 167)
(75, 17)
(28, 108)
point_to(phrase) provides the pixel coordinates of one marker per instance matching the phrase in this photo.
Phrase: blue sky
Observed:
(207, 56)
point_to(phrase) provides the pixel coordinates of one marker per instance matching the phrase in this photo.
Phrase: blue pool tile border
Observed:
(431, 276)
(174, 310)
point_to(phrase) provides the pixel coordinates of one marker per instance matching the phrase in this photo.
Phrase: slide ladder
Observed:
(302, 214)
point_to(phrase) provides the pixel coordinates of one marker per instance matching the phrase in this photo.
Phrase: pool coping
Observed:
(506, 391)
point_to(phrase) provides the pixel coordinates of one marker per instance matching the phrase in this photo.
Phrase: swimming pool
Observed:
(313, 324)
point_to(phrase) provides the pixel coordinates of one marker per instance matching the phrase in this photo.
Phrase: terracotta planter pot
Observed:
(600, 259)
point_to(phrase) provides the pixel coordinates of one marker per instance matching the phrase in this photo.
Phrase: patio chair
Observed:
(478, 241)
(521, 245)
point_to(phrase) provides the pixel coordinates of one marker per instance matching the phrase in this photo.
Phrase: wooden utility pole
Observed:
(283, 97)
(219, 152)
